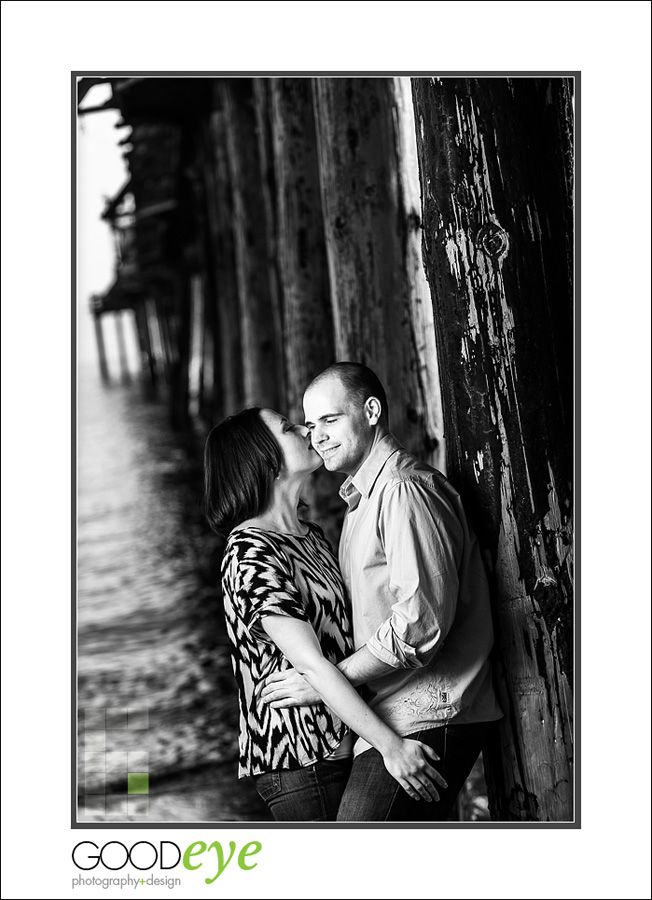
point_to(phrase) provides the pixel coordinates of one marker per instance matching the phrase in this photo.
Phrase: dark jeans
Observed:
(311, 794)
(372, 795)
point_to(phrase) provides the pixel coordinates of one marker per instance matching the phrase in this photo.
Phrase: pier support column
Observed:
(145, 344)
(122, 349)
(101, 350)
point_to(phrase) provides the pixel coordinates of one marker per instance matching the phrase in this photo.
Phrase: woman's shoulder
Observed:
(253, 531)
(251, 555)
(245, 537)
(247, 541)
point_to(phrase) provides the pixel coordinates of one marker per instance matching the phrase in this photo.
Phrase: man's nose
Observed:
(319, 434)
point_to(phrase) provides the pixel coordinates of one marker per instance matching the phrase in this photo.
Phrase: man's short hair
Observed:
(359, 381)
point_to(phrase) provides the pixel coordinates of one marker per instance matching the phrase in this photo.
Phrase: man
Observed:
(420, 604)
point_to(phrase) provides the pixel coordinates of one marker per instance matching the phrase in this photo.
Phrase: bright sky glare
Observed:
(101, 172)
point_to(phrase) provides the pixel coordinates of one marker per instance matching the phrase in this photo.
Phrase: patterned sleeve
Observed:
(263, 582)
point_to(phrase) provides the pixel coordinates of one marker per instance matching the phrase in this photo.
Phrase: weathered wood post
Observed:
(160, 312)
(496, 175)
(179, 394)
(303, 268)
(308, 344)
(122, 348)
(148, 363)
(372, 229)
(258, 317)
(99, 336)
(263, 123)
(229, 362)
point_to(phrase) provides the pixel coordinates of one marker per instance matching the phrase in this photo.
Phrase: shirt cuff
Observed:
(398, 654)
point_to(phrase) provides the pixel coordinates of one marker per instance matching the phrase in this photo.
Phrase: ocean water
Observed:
(157, 708)
(157, 723)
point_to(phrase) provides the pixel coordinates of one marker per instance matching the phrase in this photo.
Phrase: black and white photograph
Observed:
(326, 448)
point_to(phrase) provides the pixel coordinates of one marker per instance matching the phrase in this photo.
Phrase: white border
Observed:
(609, 43)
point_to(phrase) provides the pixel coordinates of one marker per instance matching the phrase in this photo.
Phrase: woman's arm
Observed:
(404, 759)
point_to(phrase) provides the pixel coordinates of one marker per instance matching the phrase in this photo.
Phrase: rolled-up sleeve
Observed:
(422, 540)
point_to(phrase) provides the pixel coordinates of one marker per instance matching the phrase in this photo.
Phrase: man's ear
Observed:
(373, 410)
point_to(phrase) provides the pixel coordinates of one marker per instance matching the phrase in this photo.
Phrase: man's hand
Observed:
(288, 688)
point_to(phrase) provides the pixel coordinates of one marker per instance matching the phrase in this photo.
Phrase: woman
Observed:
(284, 605)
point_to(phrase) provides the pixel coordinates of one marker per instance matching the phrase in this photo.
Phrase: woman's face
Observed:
(294, 441)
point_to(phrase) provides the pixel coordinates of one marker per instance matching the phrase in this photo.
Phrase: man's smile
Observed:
(328, 451)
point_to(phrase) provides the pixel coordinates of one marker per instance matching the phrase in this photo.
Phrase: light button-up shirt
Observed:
(419, 593)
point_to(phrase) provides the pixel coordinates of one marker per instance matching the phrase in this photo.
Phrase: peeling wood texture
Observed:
(308, 342)
(303, 268)
(373, 229)
(259, 324)
(495, 159)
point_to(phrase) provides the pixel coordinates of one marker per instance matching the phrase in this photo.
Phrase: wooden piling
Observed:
(122, 349)
(148, 362)
(496, 168)
(257, 297)
(101, 350)
(372, 230)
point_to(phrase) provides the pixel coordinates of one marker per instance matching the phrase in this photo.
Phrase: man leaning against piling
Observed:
(420, 603)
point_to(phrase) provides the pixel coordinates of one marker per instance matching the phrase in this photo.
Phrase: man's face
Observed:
(340, 428)
(299, 456)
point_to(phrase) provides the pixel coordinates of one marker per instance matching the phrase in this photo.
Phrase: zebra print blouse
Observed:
(289, 575)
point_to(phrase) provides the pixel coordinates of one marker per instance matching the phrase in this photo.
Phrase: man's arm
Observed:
(422, 539)
(289, 688)
(362, 666)
(408, 761)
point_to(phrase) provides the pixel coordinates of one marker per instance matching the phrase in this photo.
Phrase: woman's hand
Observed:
(407, 761)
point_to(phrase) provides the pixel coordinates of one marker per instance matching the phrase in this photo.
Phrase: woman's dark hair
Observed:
(241, 460)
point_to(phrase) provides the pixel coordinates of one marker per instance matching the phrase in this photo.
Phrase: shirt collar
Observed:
(361, 484)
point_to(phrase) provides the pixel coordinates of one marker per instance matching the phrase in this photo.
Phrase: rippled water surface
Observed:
(156, 693)
(150, 631)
